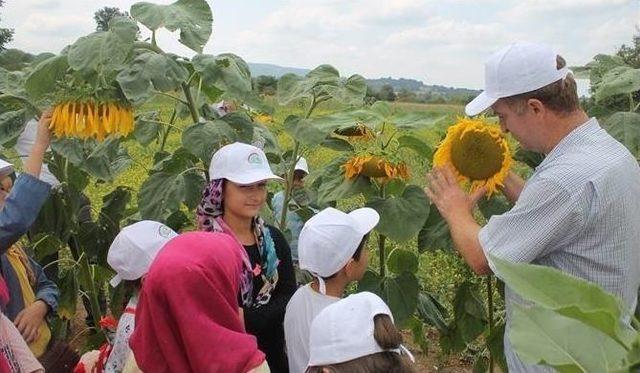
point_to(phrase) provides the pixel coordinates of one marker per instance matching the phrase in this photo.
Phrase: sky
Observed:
(436, 41)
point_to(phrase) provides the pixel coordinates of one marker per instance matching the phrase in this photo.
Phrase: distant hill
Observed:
(398, 85)
(258, 69)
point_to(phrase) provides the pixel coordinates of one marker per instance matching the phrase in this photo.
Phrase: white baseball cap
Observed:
(515, 69)
(328, 240)
(241, 163)
(343, 331)
(301, 165)
(135, 247)
(6, 168)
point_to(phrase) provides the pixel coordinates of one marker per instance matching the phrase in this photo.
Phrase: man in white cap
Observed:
(131, 254)
(332, 249)
(294, 221)
(579, 212)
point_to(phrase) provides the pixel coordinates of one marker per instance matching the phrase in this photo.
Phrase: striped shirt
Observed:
(580, 213)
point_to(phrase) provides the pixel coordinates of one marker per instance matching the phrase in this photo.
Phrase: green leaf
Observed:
(323, 81)
(102, 160)
(12, 124)
(401, 217)
(146, 129)
(307, 132)
(432, 312)
(531, 159)
(44, 245)
(400, 260)
(470, 319)
(400, 293)
(435, 233)
(418, 333)
(226, 72)
(68, 286)
(103, 50)
(204, 139)
(417, 119)
(12, 82)
(243, 126)
(542, 336)
(420, 147)
(337, 144)
(193, 18)
(625, 127)
(495, 344)
(496, 205)
(170, 184)
(150, 71)
(619, 80)
(43, 80)
(567, 295)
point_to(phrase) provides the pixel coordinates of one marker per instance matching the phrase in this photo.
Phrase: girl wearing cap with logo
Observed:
(357, 334)
(332, 248)
(187, 318)
(231, 204)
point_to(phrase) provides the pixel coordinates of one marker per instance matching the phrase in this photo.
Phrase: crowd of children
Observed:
(221, 299)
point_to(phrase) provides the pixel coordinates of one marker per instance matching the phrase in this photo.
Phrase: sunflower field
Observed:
(121, 104)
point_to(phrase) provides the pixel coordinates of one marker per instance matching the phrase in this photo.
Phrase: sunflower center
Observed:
(477, 155)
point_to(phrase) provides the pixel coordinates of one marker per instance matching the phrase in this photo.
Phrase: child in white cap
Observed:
(231, 204)
(332, 249)
(357, 334)
(130, 255)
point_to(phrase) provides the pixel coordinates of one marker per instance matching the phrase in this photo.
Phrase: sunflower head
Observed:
(376, 167)
(88, 119)
(477, 152)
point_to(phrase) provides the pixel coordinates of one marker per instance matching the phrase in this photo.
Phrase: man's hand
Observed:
(29, 320)
(445, 193)
(43, 136)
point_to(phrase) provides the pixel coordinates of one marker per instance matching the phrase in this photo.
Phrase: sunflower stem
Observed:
(154, 42)
(169, 126)
(489, 280)
(381, 242)
(149, 46)
(292, 168)
(191, 104)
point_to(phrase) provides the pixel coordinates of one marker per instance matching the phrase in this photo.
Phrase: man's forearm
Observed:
(464, 232)
(513, 185)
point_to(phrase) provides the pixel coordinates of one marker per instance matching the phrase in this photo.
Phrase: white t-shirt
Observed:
(303, 307)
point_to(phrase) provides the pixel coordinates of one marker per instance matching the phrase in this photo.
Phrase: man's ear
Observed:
(536, 106)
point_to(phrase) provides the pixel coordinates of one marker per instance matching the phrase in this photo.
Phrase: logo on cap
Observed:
(165, 231)
(255, 159)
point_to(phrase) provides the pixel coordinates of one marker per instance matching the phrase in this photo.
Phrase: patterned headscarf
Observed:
(209, 215)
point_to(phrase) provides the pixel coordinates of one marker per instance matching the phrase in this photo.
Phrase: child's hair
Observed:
(388, 337)
(356, 255)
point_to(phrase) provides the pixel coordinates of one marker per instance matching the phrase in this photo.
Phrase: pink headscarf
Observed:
(187, 317)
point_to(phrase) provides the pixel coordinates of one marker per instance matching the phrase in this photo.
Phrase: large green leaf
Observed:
(601, 64)
(541, 336)
(12, 124)
(421, 148)
(12, 82)
(227, 72)
(323, 81)
(68, 285)
(619, 80)
(400, 293)
(432, 312)
(104, 50)
(496, 205)
(102, 160)
(151, 71)
(625, 127)
(204, 139)
(531, 159)
(567, 295)
(43, 80)
(435, 233)
(350, 91)
(469, 322)
(400, 260)
(243, 126)
(193, 18)
(146, 129)
(307, 132)
(170, 184)
(401, 217)
(416, 119)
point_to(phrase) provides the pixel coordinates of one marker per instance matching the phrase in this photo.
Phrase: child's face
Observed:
(5, 187)
(244, 201)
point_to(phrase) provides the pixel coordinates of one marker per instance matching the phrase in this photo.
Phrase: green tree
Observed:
(266, 84)
(6, 34)
(105, 15)
(387, 93)
(631, 53)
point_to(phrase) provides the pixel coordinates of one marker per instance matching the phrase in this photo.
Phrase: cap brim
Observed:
(367, 219)
(479, 104)
(254, 177)
(115, 281)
